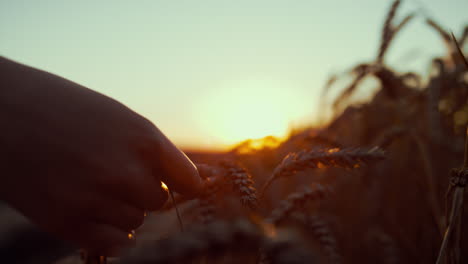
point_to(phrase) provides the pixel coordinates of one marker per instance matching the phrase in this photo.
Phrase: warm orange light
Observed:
(252, 145)
(248, 110)
(164, 186)
(320, 165)
(333, 150)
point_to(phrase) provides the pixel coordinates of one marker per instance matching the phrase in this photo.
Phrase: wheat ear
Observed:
(242, 183)
(320, 229)
(296, 201)
(389, 30)
(345, 158)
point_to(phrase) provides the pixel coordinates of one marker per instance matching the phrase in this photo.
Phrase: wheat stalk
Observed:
(345, 158)
(297, 201)
(458, 182)
(431, 194)
(389, 30)
(439, 29)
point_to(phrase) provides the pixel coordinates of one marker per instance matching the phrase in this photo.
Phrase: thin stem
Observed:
(465, 161)
(456, 206)
(457, 238)
(431, 194)
(455, 214)
(177, 210)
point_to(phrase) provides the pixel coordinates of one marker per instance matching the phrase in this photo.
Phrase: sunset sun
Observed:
(248, 110)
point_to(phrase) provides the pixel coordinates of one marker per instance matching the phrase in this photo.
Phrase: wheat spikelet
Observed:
(321, 231)
(207, 205)
(439, 29)
(387, 32)
(403, 23)
(445, 35)
(213, 240)
(242, 183)
(297, 201)
(345, 158)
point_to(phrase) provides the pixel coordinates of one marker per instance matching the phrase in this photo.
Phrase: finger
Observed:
(158, 198)
(101, 239)
(146, 194)
(118, 214)
(137, 186)
(173, 167)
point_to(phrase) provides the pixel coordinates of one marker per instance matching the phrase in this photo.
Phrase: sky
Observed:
(210, 73)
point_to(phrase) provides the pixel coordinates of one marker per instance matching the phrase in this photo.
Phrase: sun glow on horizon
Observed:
(249, 110)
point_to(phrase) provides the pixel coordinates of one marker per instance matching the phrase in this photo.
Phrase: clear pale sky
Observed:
(209, 73)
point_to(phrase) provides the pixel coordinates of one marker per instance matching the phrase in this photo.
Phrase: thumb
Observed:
(175, 169)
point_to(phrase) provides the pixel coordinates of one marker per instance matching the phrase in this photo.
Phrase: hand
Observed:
(79, 164)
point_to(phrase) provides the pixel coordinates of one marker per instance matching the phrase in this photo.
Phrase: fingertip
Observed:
(174, 168)
(185, 179)
(180, 174)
